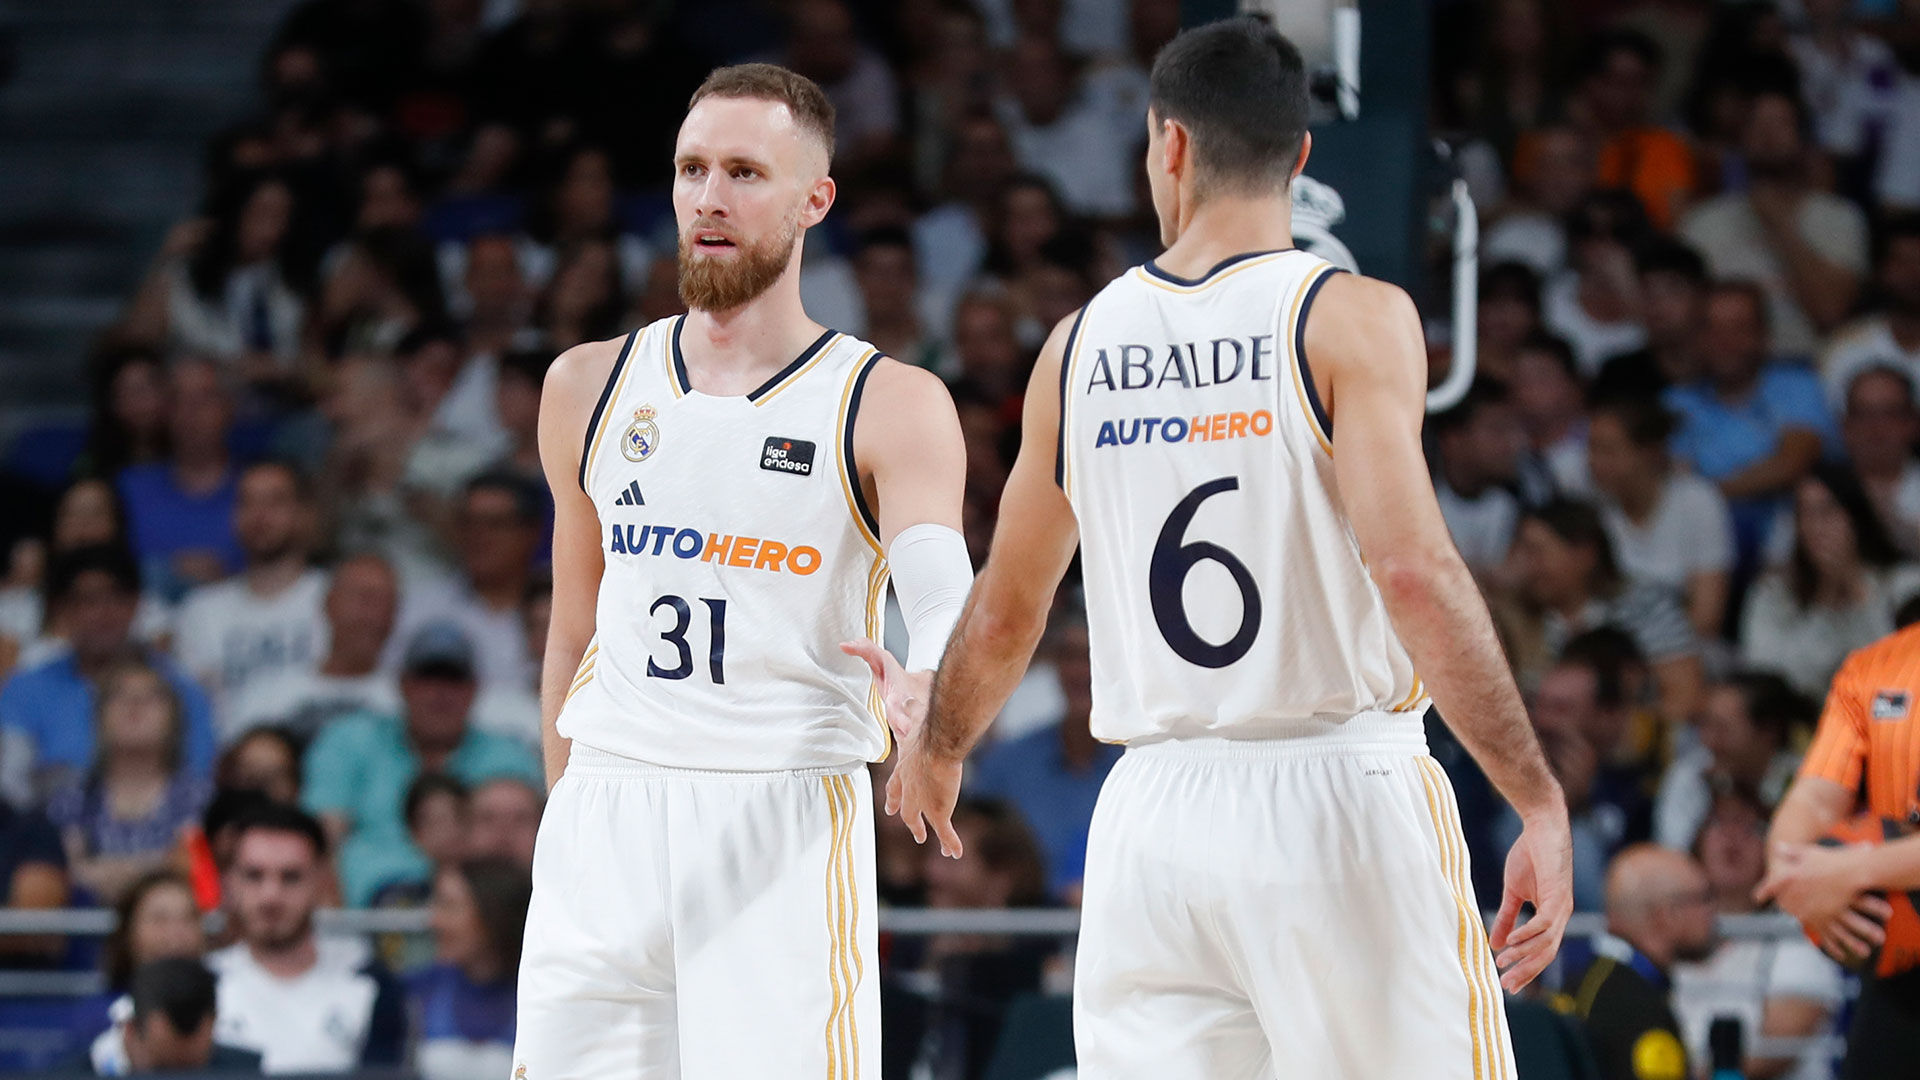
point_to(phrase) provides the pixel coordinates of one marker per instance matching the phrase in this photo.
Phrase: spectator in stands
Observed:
(585, 301)
(1479, 443)
(987, 346)
(266, 760)
(497, 295)
(1553, 170)
(437, 814)
(1613, 106)
(497, 526)
(1595, 303)
(1752, 428)
(1836, 593)
(1778, 988)
(1849, 76)
(951, 239)
(169, 1025)
(894, 321)
(517, 403)
(94, 593)
(978, 975)
(266, 621)
(358, 770)
(1673, 289)
(1880, 428)
(359, 607)
(1053, 775)
(128, 422)
(465, 1002)
(384, 286)
(305, 1003)
(87, 514)
(155, 917)
(1669, 529)
(1570, 583)
(33, 873)
(124, 816)
(1547, 400)
(1890, 337)
(1746, 728)
(505, 820)
(1507, 317)
(1659, 913)
(180, 511)
(1807, 248)
(513, 709)
(1027, 212)
(823, 45)
(1084, 137)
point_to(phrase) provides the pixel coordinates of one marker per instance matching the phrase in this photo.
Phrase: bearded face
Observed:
(721, 270)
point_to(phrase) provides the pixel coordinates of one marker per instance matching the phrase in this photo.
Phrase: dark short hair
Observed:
(229, 807)
(1774, 707)
(426, 786)
(1006, 844)
(176, 987)
(270, 816)
(884, 236)
(302, 483)
(1606, 46)
(1485, 392)
(771, 82)
(1579, 523)
(1646, 421)
(525, 493)
(1610, 653)
(1750, 291)
(1904, 225)
(116, 951)
(67, 568)
(1511, 280)
(501, 889)
(1240, 87)
(1665, 255)
(1541, 341)
(1885, 371)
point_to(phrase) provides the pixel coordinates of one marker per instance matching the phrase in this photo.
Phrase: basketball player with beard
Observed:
(733, 489)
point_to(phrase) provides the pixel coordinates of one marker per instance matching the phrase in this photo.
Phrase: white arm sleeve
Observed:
(931, 575)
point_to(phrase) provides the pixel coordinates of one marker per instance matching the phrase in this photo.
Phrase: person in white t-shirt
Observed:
(266, 619)
(1669, 528)
(1480, 442)
(360, 606)
(1776, 987)
(1879, 427)
(1083, 135)
(306, 1004)
(1890, 337)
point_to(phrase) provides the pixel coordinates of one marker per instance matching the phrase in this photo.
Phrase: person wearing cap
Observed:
(359, 768)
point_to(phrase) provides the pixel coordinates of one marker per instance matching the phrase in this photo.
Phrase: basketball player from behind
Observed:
(732, 488)
(1276, 877)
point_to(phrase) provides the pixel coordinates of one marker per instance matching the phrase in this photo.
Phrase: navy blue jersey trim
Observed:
(798, 363)
(846, 449)
(681, 382)
(600, 407)
(1300, 354)
(1153, 268)
(1060, 439)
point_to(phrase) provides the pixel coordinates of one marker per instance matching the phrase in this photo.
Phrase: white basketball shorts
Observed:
(1282, 909)
(701, 926)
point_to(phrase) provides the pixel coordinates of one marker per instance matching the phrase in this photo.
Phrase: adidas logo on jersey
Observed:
(631, 496)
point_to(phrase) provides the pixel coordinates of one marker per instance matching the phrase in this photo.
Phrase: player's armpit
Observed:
(571, 391)
(909, 449)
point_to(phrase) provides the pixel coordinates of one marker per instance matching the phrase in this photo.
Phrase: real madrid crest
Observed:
(641, 436)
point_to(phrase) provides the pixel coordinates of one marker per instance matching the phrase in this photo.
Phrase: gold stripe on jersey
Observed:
(1260, 260)
(819, 354)
(1293, 337)
(577, 687)
(840, 442)
(1072, 361)
(876, 609)
(1413, 698)
(606, 414)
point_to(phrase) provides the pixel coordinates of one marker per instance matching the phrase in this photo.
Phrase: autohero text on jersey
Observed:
(745, 552)
(1216, 427)
(1191, 364)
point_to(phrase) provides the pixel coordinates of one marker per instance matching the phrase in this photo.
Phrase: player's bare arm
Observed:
(1002, 622)
(913, 466)
(573, 385)
(1365, 347)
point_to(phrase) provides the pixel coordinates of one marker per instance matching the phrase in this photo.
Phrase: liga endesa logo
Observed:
(1212, 427)
(745, 552)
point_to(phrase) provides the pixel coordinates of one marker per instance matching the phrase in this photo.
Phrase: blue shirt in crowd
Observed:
(360, 768)
(53, 705)
(164, 521)
(1032, 773)
(1719, 438)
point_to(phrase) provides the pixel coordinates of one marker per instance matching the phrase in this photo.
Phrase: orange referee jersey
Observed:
(1869, 737)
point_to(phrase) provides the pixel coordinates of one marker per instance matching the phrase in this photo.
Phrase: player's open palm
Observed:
(904, 693)
(1540, 872)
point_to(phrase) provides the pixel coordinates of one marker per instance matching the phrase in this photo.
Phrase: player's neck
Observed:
(1224, 226)
(733, 351)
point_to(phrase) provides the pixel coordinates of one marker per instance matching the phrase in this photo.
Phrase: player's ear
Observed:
(1176, 149)
(1306, 147)
(819, 200)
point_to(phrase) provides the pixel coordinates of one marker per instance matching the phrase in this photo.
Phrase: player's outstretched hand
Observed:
(923, 790)
(1540, 872)
(905, 693)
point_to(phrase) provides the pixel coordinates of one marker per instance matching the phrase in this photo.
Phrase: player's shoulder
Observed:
(1361, 318)
(892, 384)
(1900, 649)
(587, 366)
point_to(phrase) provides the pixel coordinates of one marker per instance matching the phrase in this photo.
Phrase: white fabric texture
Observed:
(931, 576)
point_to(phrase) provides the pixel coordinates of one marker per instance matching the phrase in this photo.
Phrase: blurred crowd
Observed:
(271, 624)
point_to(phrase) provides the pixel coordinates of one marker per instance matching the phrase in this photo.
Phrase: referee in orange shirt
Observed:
(1866, 755)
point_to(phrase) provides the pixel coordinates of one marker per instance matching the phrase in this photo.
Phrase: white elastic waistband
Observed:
(1388, 733)
(598, 764)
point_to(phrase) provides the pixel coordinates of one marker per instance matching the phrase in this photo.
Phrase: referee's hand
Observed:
(1540, 872)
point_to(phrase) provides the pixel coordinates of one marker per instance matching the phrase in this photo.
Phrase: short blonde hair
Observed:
(771, 82)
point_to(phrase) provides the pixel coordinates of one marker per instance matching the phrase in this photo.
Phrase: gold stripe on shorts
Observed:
(1476, 963)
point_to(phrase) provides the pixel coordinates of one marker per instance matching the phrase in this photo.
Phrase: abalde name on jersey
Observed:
(1134, 367)
(745, 552)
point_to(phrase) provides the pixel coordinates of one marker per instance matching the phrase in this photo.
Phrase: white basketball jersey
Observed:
(739, 554)
(1225, 592)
